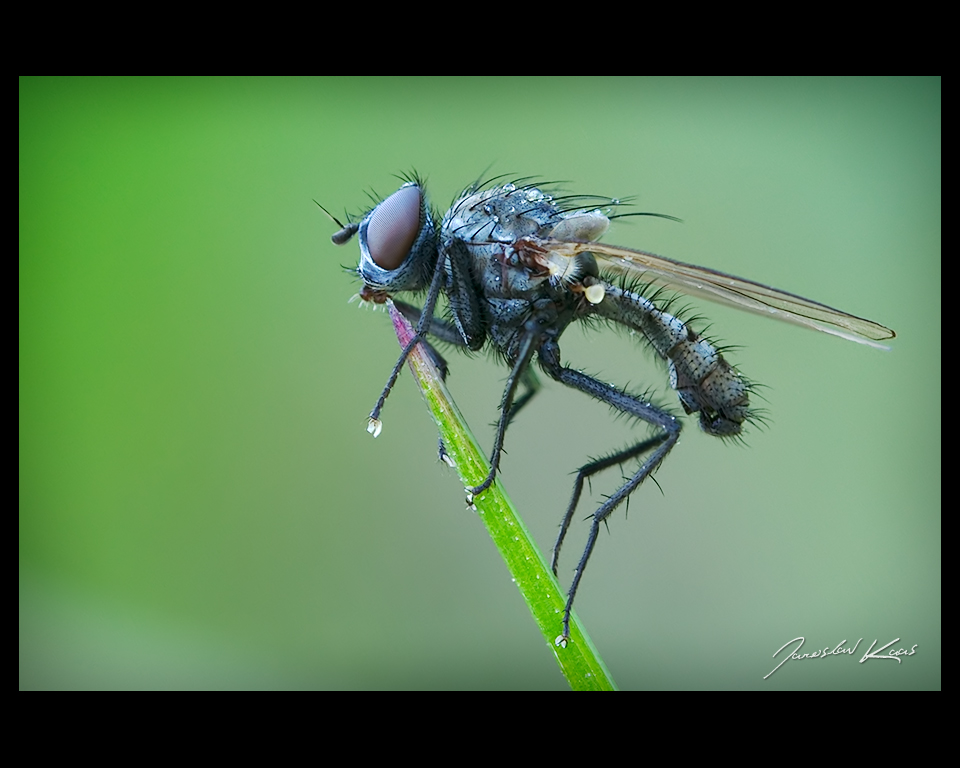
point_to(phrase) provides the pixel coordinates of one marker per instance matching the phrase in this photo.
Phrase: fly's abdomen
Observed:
(705, 382)
(708, 384)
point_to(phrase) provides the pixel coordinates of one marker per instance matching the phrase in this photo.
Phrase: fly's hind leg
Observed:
(587, 471)
(658, 446)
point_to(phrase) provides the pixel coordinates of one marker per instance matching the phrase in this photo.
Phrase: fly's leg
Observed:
(444, 331)
(449, 333)
(464, 303)
(465, 295)
(587, 471)
(659, 447)
(439, 329)
(426, 315)
(528, 379)
(528, 345)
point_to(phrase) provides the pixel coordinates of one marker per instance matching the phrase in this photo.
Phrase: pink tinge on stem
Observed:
(403, 328)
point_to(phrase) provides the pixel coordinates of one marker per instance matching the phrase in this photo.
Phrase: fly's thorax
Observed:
(507, 213)
(501, 214)
(500, 228)
(510, 319)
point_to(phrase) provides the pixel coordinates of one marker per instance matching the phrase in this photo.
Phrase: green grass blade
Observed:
(579, 661)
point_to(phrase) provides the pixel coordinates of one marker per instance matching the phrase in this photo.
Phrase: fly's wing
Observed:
(724, 289)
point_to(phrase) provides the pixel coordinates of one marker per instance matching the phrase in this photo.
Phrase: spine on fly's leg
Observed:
(704, 381)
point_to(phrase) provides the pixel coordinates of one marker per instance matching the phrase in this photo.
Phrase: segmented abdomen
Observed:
(705, 382)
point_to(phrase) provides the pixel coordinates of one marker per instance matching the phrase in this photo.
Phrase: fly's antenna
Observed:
(345, 232)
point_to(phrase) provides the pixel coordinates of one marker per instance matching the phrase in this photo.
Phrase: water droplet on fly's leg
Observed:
(375, 427)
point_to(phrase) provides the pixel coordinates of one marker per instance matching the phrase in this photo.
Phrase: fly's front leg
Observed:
(439, 329)
(444, 331)
(426, 315)
(658, 446)
(465, 295)
(464, 303)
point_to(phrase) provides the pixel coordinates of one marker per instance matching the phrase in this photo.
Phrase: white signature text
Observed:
(840, 650)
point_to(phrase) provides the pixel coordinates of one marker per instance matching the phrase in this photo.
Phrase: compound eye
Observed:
(393, 227)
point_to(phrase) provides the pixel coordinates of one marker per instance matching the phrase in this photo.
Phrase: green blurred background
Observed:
(201, 506)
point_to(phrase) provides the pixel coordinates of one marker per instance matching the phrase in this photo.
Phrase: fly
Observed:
(517, 266)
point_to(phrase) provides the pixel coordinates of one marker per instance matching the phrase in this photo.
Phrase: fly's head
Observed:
(398, 245)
